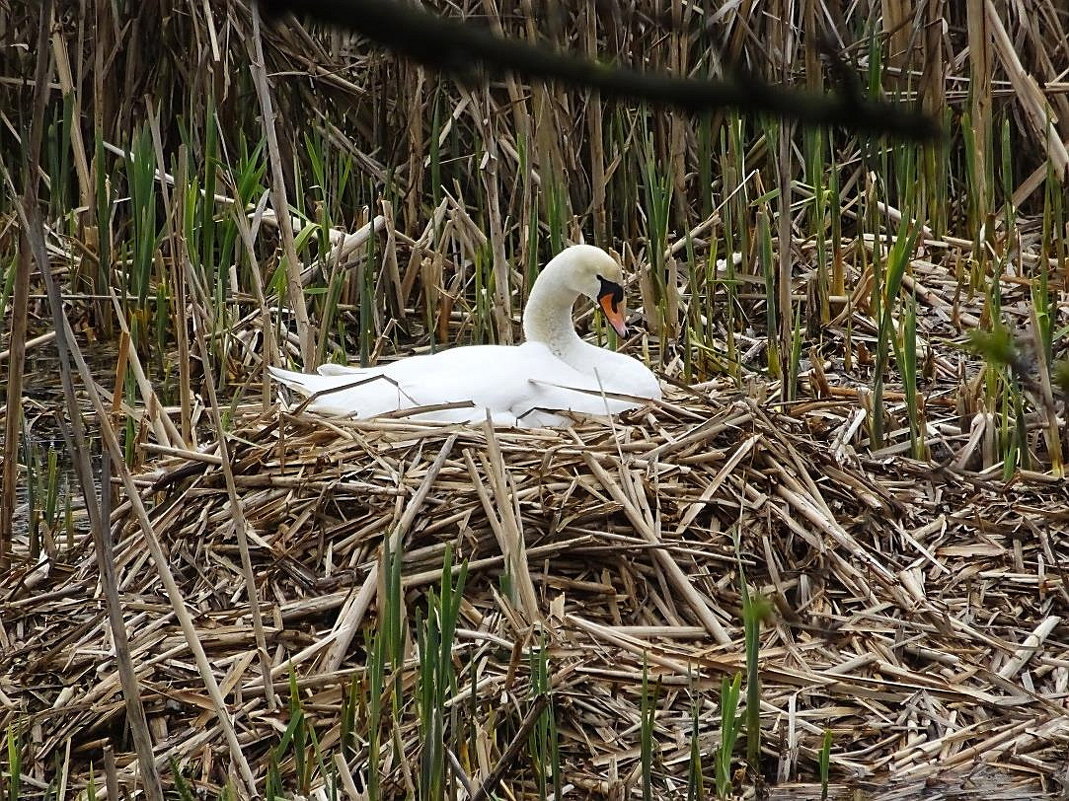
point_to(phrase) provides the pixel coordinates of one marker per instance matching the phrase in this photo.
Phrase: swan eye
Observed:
(611, 290)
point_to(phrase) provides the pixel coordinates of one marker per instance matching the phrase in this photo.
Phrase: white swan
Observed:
(524, 385)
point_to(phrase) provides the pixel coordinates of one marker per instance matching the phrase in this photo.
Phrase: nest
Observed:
(917, 614)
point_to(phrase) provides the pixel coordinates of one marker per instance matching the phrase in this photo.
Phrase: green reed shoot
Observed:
(141, 181)
(58, 158)
(623, 192)
(768, 269)
(52, 488)
(181, 786)
(1004, 361)
(543, 743)
(695, 775)
(91, 785)
(737, 190)
(245, 175)
(483, 311)
(838, 271)
(329, 171)
(300, 746)
(555, 199)
(273, 787)
(376, 687)
(935, 174)
(392, 619)
(886, 290)
(385, 647)
(978, 174)
(1053, 226)
(1054, 246)
(818, 211)
(296, 735)
(530, 266)
(824, 763)
(350, 706)
(437, 680)
(906, 356)
(11, 789)
(754, 610)
(730, 724)
(657, 189)
(694, 327)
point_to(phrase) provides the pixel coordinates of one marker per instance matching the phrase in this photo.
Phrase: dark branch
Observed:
(458, 47)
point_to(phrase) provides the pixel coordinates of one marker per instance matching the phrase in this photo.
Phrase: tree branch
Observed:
(458, 47)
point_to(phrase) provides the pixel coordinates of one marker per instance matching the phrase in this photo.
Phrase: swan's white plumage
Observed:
(527, 385)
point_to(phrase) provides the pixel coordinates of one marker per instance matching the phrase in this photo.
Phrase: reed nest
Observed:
(914, 610)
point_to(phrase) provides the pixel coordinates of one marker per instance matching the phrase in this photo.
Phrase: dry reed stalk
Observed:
(163, 427)
(500, 269)
(353, 613)
(13, 416)
(270, 353)
(278, 193)
(980, 77)
(67, 86)
(1032, 99)
(596, 136)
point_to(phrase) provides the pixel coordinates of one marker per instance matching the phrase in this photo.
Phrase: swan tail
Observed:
(298, 382)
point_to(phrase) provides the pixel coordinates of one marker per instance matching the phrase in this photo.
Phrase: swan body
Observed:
(535, 384)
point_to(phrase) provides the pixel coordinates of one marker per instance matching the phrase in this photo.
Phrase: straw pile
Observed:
(900, 595)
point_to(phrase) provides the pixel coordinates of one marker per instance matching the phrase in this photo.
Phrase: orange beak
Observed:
(611, 301)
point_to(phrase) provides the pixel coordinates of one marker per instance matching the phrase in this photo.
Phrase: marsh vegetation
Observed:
(833, 554)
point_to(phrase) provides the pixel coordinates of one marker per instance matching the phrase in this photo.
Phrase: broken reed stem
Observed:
(515, 746)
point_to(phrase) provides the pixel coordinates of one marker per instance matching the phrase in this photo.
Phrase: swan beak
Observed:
(611, 300)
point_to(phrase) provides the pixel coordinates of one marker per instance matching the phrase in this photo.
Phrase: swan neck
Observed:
(547, 318)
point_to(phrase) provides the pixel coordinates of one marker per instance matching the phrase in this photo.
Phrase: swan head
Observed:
(588, 270)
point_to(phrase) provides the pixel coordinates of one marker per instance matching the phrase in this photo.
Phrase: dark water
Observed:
(45, 426)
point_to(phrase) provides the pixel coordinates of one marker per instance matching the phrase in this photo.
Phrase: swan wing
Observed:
(525, 386)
